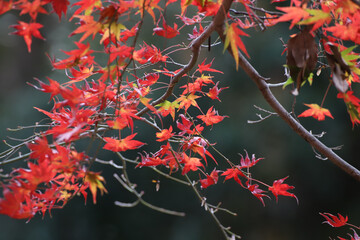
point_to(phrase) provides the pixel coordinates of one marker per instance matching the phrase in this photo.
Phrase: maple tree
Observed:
(139, 81)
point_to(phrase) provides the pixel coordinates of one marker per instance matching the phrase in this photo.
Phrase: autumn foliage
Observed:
(141, 82)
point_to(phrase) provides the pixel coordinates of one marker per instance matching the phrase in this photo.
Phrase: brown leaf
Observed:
(301, 57)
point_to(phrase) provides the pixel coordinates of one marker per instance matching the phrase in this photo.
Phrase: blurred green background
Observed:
(320, 186)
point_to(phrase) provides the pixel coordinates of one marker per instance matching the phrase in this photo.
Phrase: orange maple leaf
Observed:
(293, 14)
(88, 26)
(191, 163)
(122, 145)
(233, 34)
(187, 101)
(95, 182)
(316, 112)
(165, 134)
(211, 117)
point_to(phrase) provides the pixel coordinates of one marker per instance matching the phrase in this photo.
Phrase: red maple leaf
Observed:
(166, 31)
(147, 161)
(27, 30)
(197, 145)
(80, 56)
(14, 205)
(206, 67)
(293, 14)
(33, 8)
(53, 87)
(190, 163)
(234, 173)
(121, 145)
(247, 163)
(214, 92)
(316, 112)
(256, 191)
(5, 6)
(185, 126)
(280, 188)
(210, 179)
(211, 117)
(60, 6)
(165, 134)
(334, 221)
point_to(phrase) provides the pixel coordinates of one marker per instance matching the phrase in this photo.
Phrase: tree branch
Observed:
(281, 111)
(195, 48)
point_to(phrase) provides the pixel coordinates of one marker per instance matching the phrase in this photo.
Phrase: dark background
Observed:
(320, 186)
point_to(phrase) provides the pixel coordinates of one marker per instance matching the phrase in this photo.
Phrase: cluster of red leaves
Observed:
(340, 221)
(113, 100)
(56, 175)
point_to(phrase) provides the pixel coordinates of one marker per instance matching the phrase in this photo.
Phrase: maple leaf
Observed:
(210, 179)
(233, 34)
(345, 32)
(95, 181)
(166, 31)
(88, 26)
(211, 117)
(352, 105)
(198, 145)
(112, 31)
(280, 188)
(119, 123)
(165, 134)
(147, 5)
(40, 149)
(60, 6)
(247, 163)
(334, 221)
(5, 6)
(318, 18)
(206, 67)
(33, 8)
(147, 161)
(256, 191)
(187, 101)
(80, 56)
(44, 171)
(27, 30)
(149, 79)
(167, 108)
(293, 14)
(185, 126)
(121, 145)
(234, 173)
(53, 87)
(316, 112)
(87, 6)
(214, 92)
(190, 163)
(149, 54)
(13, 204)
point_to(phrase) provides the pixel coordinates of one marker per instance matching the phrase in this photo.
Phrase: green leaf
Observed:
(288, 82)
